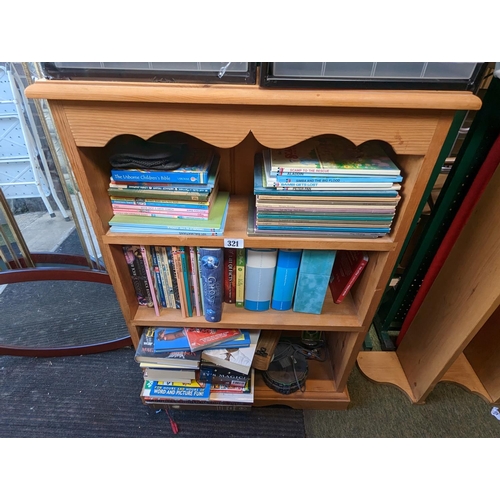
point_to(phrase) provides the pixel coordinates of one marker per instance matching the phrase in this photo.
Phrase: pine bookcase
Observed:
(240, 120)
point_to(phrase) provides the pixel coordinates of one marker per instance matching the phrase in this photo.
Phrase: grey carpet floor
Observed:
(97, 396)
(383, 411)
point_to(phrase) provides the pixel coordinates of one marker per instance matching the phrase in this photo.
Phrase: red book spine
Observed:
(346, 270)
(230, 275)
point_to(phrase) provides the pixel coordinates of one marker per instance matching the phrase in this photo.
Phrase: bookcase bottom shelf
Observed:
(320, 393)
(385, 368)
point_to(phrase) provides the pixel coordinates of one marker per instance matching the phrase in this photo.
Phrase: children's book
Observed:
(145, 354)
(212, 281)
(240, 277)
(176, 390)
(194, 171)
(170, 339)
(239, 360)
(203, 338)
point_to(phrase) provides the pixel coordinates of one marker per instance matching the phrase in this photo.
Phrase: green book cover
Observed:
(213, 222)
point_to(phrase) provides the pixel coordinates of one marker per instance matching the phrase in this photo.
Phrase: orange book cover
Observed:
(203, 338)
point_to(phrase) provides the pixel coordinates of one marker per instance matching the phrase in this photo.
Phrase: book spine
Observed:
(160, 194)
(187, 280)
(325, 185)
(157, 273)
(177, 260)
(312, 282)
(173, 177)
(193, 276)
(212, 276)
(259, 278)
(240, 277)
(229, 275)
(287, 268)
(290, 178)
(200, 284)
(137, 272)
(173, 276)
(150, 277)
(167, 206)
(165, 215)
(355, 272)
(165, 276)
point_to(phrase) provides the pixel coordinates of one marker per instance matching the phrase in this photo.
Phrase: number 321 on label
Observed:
(234, 243)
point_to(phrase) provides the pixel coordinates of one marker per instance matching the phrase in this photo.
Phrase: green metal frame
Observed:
(483, 132)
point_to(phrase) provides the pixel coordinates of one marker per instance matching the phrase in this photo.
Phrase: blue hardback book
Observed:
(194, 171)
(312, 282)
(212, 282)
(287, 268)
(259, 278)
(170, 340)
(261, 188)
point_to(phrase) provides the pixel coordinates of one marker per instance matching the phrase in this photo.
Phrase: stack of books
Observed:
(195, 368)
(185, 200)
(324, 187)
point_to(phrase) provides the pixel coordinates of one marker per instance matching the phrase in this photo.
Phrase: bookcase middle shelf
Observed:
(334, 317)
(236, 228)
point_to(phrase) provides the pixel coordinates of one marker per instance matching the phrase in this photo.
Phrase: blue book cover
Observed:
(205, 187)
(261, 188)
(176, 390)
(194, 171)
(259, 278)
(212, 281)
(242, 340)
(287, 268)
(312, 282)
(170, 340)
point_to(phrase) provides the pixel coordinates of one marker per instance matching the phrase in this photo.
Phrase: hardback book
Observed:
(212, 279)
(145, 224)
(179, 191)
(193, 390)
(181, 284)
(187, 278)
(230, 275)
(312, 282)
(169, 374)
(173, 276)
(241, 340)
(151, 280)
(194, 171)
(203, 338)
(137, 270)
(240, 277)
(194, 280)
(214, 374)
(347, 268)
(161, 253)
(145, 354)
(287, 268)
(155, 268)
(233, 394)
(169, 339)
(259, 278)
(239, 360)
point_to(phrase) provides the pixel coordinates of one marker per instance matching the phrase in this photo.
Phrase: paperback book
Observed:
(169, 339)
(193, 390)
(202, 338)
(239, 360)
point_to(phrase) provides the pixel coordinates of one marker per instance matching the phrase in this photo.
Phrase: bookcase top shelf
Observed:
(248, 95)
(236, 228)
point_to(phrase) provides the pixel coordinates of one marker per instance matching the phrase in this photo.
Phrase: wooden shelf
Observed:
(340, 317)
(240, 121)
(320, 393)
(236, 228)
